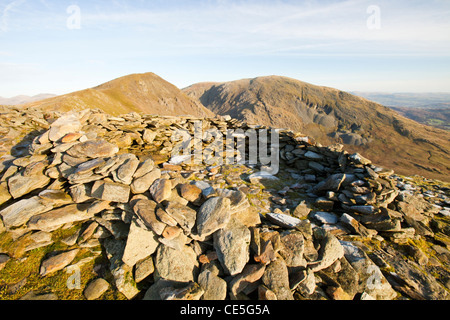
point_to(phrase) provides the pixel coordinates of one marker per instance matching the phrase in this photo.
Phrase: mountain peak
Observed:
(144, 92)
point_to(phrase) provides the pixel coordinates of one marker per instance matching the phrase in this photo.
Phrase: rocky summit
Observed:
(95, 206)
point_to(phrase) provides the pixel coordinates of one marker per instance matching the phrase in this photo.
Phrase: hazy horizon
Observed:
(352, 45)
(350, 91)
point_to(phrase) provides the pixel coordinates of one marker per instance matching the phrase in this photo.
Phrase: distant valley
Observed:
(432, 109)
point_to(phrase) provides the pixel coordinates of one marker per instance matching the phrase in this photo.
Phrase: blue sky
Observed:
(353, 45)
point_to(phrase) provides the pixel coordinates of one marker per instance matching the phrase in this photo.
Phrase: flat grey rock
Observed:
(232, 245)
(283, 220)
(141, 243)
(214, 214)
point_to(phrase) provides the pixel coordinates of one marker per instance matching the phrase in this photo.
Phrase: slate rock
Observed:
(95, 289)
(52, 220)
(353, 225)
(371, 279)
(214, 214)
(325, 217)
(330, 251)
(276, 278)
(177, 265)
(301, 211)
(192, 291)
(4, 193)
(214, 287)
(32, 296)
(283, 220)
(251, 274)
(183, 215)
(89, 165)
(124, 173)
(20, 212)
(93, 149)
(161, 190)
(144, 268)
(141, 243)
(346, 278)
(111, 191)
(68, 123)
(142, 184)
(293, 248)
(21, 183)
(57, 262)
(332, 183)
(4, 258)
(144, 168)
(308, 286)
(124, 282)
(145, 209)
(238, 199)
(232, 246)
(191, 192)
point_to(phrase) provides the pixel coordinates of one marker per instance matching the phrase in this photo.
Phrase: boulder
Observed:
(293, 248)
(214, 287)
(183, 215)
(276, 278)
(141, 243)
(96, 288)
(111, 191)
(213, 215)
(330, 251)
(142, 184)
(23, 183)
(68, 123)
(232, 246)
(161, 190)
(145, 209)
(176, 265)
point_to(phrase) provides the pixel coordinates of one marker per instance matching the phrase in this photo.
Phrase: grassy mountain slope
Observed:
(329, 116)
(147, 93)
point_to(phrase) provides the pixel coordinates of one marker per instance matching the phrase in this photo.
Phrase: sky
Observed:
(57, 46)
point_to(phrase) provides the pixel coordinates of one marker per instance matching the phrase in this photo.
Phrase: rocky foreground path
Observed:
(95, 207)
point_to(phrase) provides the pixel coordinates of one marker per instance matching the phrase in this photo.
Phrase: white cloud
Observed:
(282, 27)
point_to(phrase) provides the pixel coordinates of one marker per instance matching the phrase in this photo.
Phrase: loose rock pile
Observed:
(330, 225)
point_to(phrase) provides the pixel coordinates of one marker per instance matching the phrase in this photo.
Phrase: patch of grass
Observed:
(26, 269)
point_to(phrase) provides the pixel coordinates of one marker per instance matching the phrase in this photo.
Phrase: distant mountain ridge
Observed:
(408, 99)
(332, 116)
(22, 99)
